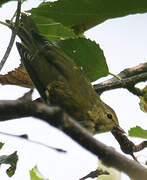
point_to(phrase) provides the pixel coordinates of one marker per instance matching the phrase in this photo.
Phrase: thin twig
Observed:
(5, 24)
(129, 78)
(12, 37)
(95, 174)
(25, 137)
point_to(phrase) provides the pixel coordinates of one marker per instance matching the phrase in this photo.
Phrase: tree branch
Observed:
(59, 119)
(129, 78)
(12, 37)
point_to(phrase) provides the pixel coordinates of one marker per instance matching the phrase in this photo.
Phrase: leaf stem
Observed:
(6, 24)
(114, 75)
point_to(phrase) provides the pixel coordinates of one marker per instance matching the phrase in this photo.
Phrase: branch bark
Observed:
(56, 117)
(129, 78)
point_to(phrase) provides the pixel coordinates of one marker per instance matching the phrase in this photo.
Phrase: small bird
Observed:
(60, 82)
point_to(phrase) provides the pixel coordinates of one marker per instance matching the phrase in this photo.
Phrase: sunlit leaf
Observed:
(114, 174)
(36, 175)
(138, 132)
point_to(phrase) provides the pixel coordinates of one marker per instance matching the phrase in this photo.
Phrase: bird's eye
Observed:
(109, 116)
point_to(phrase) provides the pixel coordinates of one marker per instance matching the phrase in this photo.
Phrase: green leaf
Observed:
(51, 29)
(143, 100)
(12, 160)
(143, 104)
(81, 15)
(87, 55)
(114, 173)
(138, 132)
(1, 145)
(36, 175)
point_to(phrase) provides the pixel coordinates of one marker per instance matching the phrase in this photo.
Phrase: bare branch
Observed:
(59, 119)
(129, 78)
(12, 37)
(25, 137)
(95, 174)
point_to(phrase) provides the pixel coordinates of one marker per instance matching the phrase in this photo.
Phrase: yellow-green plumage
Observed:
(60, 82)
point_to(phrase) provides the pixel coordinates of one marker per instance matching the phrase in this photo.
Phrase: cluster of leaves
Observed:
(86, 53)
(64, 22)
